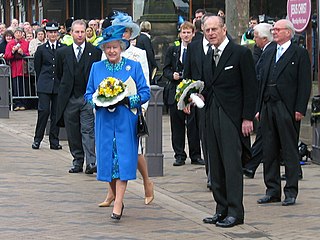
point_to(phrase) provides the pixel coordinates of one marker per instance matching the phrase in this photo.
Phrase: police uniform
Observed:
(47, 89)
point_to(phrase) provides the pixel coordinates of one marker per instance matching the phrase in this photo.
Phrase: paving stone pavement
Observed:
(40, 200)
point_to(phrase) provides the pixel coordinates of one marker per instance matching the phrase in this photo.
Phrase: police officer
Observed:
(47, 87)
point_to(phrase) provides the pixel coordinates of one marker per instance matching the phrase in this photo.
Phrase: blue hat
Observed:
(113, 33)
(123, 19)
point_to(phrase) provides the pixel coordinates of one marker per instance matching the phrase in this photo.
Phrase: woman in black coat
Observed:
(144, 43)
(7, 37)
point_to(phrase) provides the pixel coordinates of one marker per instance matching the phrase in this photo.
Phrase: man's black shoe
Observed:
(248, 172)
(179, 162)
(214, 219)
(229, 222)
(91, 168)
(198, 161)
(283, 176)
(76, 169)
(268, 199)
(289, 201)
(56, 147)
(35, 145)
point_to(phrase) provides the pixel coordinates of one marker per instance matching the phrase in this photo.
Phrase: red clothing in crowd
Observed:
(15, 59)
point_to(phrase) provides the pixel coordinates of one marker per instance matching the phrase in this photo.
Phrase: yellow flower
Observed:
(110, 87)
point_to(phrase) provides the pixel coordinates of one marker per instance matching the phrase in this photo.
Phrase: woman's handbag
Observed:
(142, 127)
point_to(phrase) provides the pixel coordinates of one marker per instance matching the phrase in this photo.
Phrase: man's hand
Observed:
(176, 76)
(298, 116)
(187, 109)
(247, 127)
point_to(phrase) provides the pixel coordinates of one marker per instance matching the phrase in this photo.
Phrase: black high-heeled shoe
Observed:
(116, 216)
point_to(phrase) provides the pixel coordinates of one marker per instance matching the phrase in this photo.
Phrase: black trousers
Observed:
(79, 121)
(200, 115)
(257, 155)
(225, 150)
(47, 106)
(256, 151)
(179, 121)
(279, 132)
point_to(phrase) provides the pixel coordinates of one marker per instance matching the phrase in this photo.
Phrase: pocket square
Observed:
(229, 67)
(292, 63)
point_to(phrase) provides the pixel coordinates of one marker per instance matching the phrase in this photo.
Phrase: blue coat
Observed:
(120, 124)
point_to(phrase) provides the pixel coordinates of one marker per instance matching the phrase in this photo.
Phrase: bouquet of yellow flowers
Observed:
(185, 90)
(110, 91)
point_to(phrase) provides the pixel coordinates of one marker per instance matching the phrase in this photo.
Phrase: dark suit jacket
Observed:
(65, 72)
(293, 79)
(144, 43)
(44, 65)
(194, 62)
(233, 83)
(172, 64)
(234, 86)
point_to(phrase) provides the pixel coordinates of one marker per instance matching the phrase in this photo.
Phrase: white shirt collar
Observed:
(223, 45)
(75, 47)
(284, 46)
(205, 45)
(265, 46)
(54, 43)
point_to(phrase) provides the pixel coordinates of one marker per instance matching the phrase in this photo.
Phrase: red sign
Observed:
(299, 12)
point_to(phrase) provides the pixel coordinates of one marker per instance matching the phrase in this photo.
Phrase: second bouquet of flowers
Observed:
(110, 91)
(186, 89)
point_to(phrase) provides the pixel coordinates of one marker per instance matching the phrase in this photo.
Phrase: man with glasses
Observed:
(284, 93)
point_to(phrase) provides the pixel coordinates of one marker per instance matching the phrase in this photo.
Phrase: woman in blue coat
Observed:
(115, 126)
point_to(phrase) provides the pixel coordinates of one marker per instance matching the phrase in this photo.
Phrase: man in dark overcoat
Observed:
(179, 121)
(283, 99)
(47, 88)
(230, 98)
(73, 67)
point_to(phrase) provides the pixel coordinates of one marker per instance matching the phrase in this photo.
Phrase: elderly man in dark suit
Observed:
(47, 88)
(283, 98)
(263, 39)
(73, 67)
(230, 98)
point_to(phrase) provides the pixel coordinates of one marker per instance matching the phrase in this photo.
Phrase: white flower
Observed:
(128, 67)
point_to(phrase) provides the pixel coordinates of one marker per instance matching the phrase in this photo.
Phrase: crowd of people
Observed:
(271, 85)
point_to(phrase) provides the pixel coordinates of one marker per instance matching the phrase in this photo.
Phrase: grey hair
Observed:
(78, 22)
(123, 45)
(220, 19)
(290, 26)
(263, 30)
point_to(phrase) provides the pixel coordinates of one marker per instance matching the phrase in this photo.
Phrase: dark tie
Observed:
(209, 52)
(79, 53)
(216, 55)
(184, 55)
(52, 47)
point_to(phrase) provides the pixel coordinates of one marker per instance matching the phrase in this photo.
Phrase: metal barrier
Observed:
(26, 86)
(153, 154)
(5, 75)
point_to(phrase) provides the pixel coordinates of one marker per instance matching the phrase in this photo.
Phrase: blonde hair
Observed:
(187, 25)
(145, 26)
